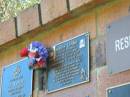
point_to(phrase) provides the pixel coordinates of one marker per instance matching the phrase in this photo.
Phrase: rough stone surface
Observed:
(28, 20)
(52, 9)
(7, 31)
(77, 3)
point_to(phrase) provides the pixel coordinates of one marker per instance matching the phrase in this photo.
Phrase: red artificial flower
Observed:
(24, 52)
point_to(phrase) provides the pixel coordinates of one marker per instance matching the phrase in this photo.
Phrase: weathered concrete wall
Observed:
(94, 21)
(28, 20)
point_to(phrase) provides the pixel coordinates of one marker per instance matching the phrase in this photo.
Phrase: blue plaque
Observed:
(119, 91)
(17, 80)
(72, 64)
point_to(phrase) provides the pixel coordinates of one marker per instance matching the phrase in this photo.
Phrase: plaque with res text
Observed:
(71, 64)
(17, 80)
(118, 45)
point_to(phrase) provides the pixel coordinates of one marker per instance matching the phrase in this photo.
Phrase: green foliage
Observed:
(10, 8)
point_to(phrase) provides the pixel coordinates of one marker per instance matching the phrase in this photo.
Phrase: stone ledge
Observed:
(78, 3)
(7, 31)
(49, 14)
(51, 9)
(28, 20)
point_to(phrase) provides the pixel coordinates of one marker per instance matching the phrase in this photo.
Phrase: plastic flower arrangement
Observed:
(37, 54)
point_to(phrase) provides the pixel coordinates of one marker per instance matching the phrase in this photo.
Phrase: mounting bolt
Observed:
(109, 91)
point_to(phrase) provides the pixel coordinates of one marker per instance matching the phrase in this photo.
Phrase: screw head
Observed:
(109, 91)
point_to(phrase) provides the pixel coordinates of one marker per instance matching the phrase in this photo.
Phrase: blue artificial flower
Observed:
(36, 46)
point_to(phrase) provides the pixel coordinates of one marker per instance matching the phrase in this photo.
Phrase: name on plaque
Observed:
(72, 63)
(17, 80)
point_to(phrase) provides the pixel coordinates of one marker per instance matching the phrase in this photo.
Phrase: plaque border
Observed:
(6, 66)
(116, 86)
(87, 79)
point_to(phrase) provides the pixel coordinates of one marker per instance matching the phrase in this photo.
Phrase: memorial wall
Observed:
(90, 50)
